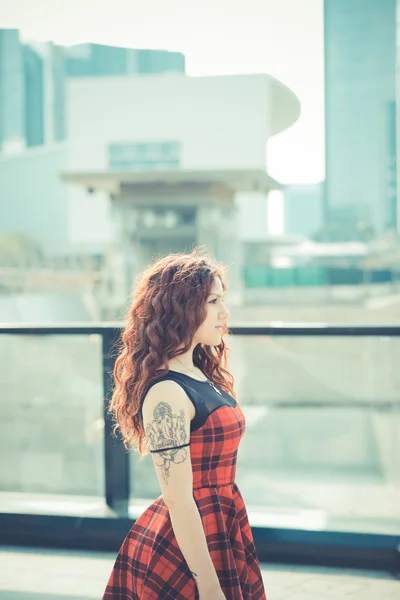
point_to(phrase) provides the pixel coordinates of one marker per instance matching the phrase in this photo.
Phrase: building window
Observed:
(143, 156)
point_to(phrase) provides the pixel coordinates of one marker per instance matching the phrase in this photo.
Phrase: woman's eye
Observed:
(213, 301)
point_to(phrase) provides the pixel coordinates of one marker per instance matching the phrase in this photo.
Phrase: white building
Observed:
(165, 158)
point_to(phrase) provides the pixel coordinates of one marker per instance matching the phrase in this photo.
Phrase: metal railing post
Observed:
(116, 458)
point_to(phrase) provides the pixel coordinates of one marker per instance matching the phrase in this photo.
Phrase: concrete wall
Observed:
(221, 122)
(33, 199)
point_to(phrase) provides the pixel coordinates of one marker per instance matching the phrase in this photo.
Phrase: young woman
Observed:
(174, 397)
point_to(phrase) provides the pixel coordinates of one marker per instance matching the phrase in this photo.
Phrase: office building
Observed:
(33, 81)
(12, 92)
(360, 65)
(34, 105)
(303, 209)
(89, 60)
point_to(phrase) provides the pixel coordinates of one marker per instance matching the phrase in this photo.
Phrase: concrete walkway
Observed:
(36, 574)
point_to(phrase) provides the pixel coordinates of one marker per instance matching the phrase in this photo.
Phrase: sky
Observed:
(283, 38)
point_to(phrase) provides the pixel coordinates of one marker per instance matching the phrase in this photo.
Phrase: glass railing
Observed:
(52, 426)
(322, 442)
(321, 451)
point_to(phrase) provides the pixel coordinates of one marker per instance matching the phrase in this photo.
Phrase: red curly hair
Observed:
(169, 305)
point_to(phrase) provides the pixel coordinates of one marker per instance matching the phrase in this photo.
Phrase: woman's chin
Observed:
(218, 336)
(213, 340)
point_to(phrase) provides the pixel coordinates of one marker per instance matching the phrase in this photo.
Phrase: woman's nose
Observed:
(225, 314)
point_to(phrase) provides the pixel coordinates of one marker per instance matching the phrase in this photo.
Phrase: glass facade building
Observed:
(34, 97)
(360, 66)
(33, 83)
(89, 60)
(12, 91)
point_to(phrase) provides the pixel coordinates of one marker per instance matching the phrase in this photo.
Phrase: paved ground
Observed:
(32, 574)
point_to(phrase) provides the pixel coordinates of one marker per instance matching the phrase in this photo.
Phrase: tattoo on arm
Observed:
(167, 437)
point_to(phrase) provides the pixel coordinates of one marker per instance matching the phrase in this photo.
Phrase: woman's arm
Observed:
(167, 412)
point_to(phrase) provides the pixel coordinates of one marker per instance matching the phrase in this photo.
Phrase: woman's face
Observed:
(210, 331)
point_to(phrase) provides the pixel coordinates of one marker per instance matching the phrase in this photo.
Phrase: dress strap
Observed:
(170, 376)
(171, 448)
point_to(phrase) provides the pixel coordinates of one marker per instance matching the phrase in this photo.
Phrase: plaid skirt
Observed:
(150, 564)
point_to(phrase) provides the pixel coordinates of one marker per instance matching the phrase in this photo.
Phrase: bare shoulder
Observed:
(170, 393)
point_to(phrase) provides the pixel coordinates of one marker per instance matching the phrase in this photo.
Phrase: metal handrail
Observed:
(284, 329)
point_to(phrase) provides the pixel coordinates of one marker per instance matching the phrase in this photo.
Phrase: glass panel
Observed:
(322, 444)
(51, 426)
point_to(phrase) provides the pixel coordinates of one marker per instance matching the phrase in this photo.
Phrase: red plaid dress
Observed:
(150, 564)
